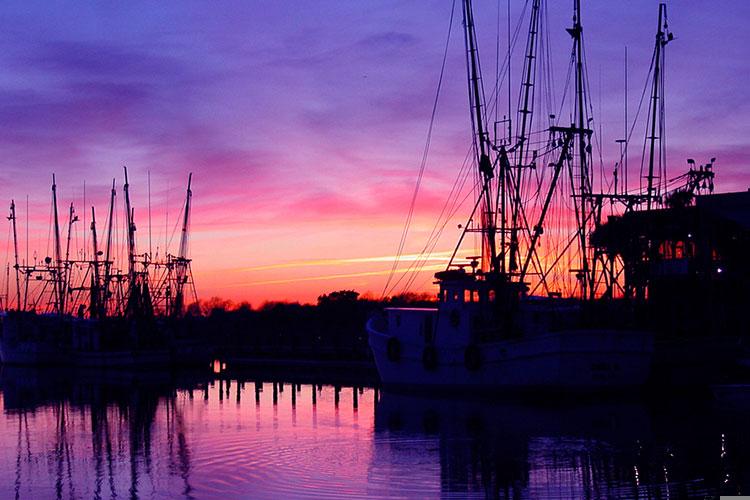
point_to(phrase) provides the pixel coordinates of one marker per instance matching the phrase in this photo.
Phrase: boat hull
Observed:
(31, 339)
(589, 359)
(30, 352)
(112, 343)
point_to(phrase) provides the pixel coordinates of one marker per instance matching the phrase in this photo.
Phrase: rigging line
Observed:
(504, 69)
(416, 266)
(451, 199)
(648, 119)
(663, 117)
(564, 252)
(497, 64)
(510, 92)
(566, 87)
(414, 275)
(425, 152)
(437, 229)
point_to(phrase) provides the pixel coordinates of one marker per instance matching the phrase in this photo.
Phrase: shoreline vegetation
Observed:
(293, 334)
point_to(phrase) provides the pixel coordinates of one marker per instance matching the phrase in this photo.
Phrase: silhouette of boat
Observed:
(488, 328)
(97, 315)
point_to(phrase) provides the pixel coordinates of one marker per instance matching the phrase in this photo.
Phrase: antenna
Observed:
(150, 249)
(625, 151)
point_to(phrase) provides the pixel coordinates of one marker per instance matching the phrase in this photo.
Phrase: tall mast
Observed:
(577, 33)
(108, 250)
(655, 104)
(186, 220)
(59, 302)
(96, 301)
(72, 217)
(182, 261)
(15, 250)
(525, 121)
(131, 230)
(482, 146)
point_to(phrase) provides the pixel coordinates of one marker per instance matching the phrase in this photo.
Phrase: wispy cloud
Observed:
(328, 277)
(434, 257)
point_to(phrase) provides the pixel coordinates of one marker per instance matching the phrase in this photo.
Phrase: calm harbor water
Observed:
(166, 436)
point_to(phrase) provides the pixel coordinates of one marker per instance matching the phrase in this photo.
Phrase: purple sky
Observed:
(304, 122)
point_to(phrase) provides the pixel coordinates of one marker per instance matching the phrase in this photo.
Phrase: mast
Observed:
(96, 301)
(577, 33)
(654, 105)
(481, 139)
(186, 220)
(72, 217)
(15, 250)
(59, 302)
(183, 262)
(525, 123)
(107, 255)
(131, 229)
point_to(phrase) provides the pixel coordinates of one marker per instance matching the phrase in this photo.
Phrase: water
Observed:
(166, 436)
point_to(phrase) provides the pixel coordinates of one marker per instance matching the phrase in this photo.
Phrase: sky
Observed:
(304, 123)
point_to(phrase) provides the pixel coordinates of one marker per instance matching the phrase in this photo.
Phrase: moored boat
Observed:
(491, 327)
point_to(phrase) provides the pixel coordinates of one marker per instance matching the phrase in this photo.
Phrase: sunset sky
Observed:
(304, 122)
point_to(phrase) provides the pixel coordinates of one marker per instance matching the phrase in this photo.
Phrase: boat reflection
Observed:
(570, 449)
(145, 435)
(93, 428)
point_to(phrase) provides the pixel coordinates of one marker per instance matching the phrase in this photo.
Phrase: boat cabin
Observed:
(688, 263)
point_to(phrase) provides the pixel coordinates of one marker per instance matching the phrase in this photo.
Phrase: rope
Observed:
(425, 153)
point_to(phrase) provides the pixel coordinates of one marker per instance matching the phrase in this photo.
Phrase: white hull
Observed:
(573, 359)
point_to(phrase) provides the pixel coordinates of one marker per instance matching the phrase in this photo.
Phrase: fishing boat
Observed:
(36, 331)
(491, 327)
(94, 313)
(139, 329)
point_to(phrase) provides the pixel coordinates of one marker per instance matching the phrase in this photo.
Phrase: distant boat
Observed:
(99, 316)
(487, 330)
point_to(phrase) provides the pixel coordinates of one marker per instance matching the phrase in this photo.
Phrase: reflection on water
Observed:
(166, 436)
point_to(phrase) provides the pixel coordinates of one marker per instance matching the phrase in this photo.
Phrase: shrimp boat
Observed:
(29, 336)
(91, 313)
(490, 327)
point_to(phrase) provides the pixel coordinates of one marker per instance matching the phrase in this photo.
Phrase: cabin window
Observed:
(679, 250)
(492, 295)
(468, 295)
(456, 296)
